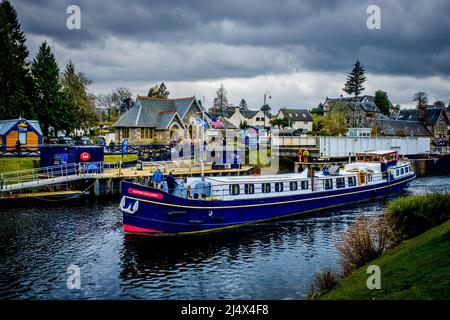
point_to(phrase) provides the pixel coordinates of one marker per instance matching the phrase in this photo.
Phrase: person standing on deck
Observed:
(157, 178)
(305, 155)
(171, 183)
(180, 188)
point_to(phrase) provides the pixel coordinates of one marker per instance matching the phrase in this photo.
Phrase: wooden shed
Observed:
(28, 132)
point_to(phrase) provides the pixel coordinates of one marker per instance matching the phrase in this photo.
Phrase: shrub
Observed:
(364, 241)
(412, 215)
(324, 280)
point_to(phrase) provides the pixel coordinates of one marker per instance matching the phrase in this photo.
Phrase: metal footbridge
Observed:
(38, 177)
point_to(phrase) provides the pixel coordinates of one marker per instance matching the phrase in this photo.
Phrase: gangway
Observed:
(37, 177)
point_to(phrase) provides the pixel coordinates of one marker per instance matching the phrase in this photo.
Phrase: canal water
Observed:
(266, 261)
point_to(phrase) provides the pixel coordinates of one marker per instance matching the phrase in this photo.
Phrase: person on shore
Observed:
(171, 183)
(18, 147)
(157, 178)
(112, 146)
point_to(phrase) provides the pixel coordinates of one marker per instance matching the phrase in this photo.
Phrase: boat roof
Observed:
(377, 152)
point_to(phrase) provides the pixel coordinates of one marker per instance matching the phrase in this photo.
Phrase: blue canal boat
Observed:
(224, 202)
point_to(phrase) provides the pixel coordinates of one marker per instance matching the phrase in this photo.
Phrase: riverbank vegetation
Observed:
(410, 246)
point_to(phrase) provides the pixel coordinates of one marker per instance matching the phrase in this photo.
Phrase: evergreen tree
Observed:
(355, 80)
(158, 91)
(50, 100)
(318, 110)
(243, 105)
(382, 102)
(162, 91)
(77, 100)
(16, 86)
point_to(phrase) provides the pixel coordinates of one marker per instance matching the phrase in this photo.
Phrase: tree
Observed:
(50, 100)
(82, 106)
(318, 123)
(334, 124)
(280, 122)
(243, 124)
(243, 104)
(319, 110)
(220, 102)
(121, 97)
(421, 98)
(158, 91)
(355, 80)
(382, 102)
(16, 86)
(109, 102)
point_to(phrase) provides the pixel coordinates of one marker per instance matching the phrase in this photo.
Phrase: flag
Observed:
(202, 123)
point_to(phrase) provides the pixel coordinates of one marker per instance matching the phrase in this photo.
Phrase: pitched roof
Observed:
(296, 114)
(154, 112)
(432, 114)
(6, 125)
(391, 127)
(366, 103)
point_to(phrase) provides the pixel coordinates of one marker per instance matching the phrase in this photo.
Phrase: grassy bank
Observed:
(418, 268)
(22, 163)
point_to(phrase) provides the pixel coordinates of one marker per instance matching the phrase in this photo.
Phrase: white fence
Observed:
(345, 146)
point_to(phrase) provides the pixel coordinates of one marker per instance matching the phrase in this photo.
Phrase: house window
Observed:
(23, 138)
(125, 133)
(293, 185)
(146, 133)
(340, 183)
(352, 181)
(278, 186)
(249, 188)
(328, 184)
(266, 187)
(348, 120)
(234, 189)
(304, 185)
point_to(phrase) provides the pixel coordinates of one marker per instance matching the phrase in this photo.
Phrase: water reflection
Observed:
(265, 261)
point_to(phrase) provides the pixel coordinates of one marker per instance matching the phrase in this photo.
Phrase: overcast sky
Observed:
(299, 51)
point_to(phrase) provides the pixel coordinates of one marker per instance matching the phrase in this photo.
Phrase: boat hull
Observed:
(151, 211)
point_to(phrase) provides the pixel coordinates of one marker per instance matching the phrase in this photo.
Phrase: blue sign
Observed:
(124, 145)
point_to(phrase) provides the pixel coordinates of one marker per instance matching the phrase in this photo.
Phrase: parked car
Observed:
(84, 141)
(101, 140)
(66, 140)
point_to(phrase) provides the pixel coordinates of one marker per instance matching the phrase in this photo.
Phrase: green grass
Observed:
(14, 164)
(418, 268)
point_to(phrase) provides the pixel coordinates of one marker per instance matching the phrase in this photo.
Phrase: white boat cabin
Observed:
(369, 168)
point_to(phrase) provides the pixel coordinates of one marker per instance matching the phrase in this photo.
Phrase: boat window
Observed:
(369, 177)
(249, 188)
(340, 183)
(293, 185)
(397, 172)
(278, 186)
(266, 187)
(304, 185)
(352, 181)
(406, 169)
(234, 189)
(402, 171)
(328, 184)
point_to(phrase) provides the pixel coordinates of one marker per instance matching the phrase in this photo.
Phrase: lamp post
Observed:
(264, 106)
